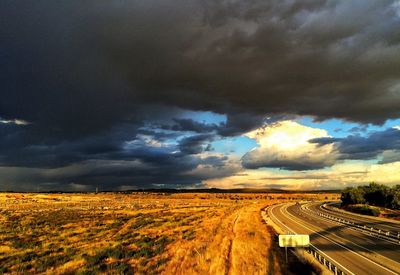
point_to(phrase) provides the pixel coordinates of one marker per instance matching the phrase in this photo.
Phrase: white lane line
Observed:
(329, 239)
(356, 229)
(364, 231)
(277, 220)
(357, 217)
(319, 251)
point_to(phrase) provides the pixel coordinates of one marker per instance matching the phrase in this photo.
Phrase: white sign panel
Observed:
(294, 240)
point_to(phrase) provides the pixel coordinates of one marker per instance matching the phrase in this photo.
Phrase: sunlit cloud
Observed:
(339, 176)
(286, 145)
(14, 121)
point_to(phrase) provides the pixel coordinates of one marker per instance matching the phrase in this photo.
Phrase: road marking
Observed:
(356, 226)
(388, 259)
(319, 251)
(394, 224)
(329, 239)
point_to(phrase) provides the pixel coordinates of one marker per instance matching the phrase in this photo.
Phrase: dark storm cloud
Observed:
(235, 124)
(103, 59)
(137, 164)
(187, 124)
(390, 156)
(288, 164)
(196, 144)
(27, 146)
(78, 71)
(324, 140)
(366, 147)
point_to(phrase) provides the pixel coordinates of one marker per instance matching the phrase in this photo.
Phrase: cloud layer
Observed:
(102, 84)
(386, 143)
(341, 175)
(310, 58)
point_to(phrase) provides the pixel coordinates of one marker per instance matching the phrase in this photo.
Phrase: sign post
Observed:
(286, 253)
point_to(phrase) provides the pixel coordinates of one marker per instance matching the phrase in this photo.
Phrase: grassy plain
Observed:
(140, 233)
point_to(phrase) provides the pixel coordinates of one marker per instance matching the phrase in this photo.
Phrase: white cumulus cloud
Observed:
(286, 145)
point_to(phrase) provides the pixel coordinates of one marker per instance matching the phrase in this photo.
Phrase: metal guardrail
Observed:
(388, 235)
(326, 261)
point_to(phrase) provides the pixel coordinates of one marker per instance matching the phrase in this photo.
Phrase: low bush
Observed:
(363, 209)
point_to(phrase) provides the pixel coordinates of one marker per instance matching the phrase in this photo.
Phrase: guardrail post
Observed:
(335, 269)
(330, 266)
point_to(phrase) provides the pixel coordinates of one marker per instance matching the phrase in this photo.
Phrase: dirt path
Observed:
(251, 251)
(239, 242)
(229, 261)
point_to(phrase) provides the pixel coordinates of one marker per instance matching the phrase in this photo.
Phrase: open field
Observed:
(140, 233)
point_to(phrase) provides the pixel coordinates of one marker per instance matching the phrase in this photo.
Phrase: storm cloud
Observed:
(228, 57)
(385, 142)
(89, 79)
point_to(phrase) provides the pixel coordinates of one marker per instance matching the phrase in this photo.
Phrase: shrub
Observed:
(373, 194)
(364, 209)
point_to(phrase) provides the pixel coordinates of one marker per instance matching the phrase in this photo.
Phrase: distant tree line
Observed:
(372, 194)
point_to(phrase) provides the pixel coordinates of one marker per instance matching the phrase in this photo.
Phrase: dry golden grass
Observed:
(139, 233)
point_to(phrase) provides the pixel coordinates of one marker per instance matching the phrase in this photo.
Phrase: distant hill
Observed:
(203, 190)
(234, 190)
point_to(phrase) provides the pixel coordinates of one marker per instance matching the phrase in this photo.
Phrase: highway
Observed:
(391, 228)
(354, 250)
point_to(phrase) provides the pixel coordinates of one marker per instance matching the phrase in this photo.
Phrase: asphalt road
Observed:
(386, 226)
(355, 251)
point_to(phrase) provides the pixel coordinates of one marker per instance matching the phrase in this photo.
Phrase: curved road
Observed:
(386, 226)
(355, 251)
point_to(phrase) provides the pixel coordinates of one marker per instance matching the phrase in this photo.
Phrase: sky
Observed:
(124, 95)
